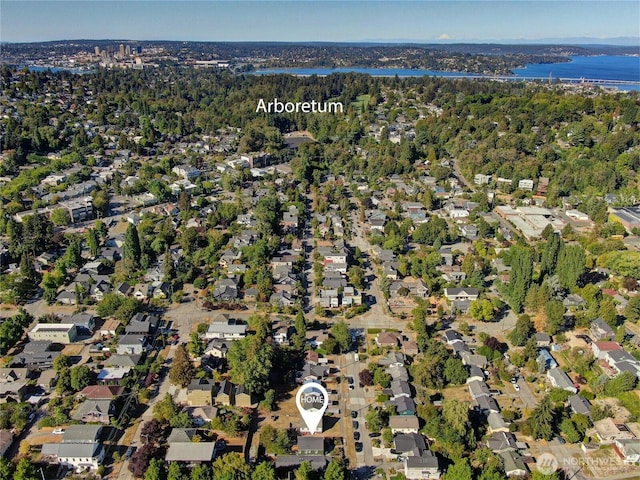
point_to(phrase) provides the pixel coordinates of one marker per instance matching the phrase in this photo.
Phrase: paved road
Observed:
(526, 395)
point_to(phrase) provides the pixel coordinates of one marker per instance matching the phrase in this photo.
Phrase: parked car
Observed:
(58, 431)
(354, 414)
(358, 447)
(355, 424)
(517, 387)
(374, 434)
(356, 435)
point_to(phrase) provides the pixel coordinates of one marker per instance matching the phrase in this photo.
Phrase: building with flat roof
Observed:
(54, 332)
(629, 217)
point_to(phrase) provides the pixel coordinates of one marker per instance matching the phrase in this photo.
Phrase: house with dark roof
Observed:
(579, 404)
(91, 411)
(502, 442)
(601, 330)
(425, 466)
(409, 444)
(404, 405)
(200, 392)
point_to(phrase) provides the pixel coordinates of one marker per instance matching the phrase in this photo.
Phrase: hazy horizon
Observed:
(427, 22)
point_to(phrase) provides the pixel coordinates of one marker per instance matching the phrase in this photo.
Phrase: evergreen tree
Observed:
(550, 255)
(541, 420)
(571, 264)
(131, 251)
(182, 369)
(93, 242)
(521, 276)
(523, 330)
(27, 269)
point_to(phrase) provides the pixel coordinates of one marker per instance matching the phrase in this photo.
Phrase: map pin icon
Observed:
(312, 400)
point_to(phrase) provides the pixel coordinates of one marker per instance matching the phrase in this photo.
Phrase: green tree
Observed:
(250, 361)
(200, 472)
(482, 310)
(195, 346)
(632, 310)
(264, 471)
(304, 471)
(521, 276)
(456, 414)
(6, 469)
(571, 264)
(63, 383)
(25, 470)
(182, 370)
(60, 217)
(460, 470)
(555, 316)
(165, 409)
(541, 421)
(340, 331)
(454, 371)
(335, 471)
(93, 242)
(522, 332)
(156, 470)
(550, 254)
(73, 255)
(176, 472)
(231, 467)
(81, 377)
(131, 251)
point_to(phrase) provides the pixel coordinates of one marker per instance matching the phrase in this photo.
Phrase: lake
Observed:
(617, 68)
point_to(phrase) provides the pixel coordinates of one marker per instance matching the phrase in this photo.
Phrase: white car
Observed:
(58, 431)
(517, 387)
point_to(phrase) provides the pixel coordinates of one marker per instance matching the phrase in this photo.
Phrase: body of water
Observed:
(602, 68)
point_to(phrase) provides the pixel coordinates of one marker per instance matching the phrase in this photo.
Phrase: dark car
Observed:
(356, 436)
(354, 414)
(374, 434)
(355, 424)
(129, 452)
(358, 447)
(350, 380)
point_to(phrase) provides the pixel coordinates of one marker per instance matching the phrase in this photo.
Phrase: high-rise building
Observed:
(96, 50)
(122, 51)
(128, 49)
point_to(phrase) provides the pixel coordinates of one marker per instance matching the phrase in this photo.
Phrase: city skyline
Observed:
(513, 21)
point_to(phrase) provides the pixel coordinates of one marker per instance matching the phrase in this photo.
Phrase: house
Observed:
(113, 375)
(101, 392)
(393, 359)
(129, 344)
(512, 461)
(91, 411)
(487, 404)
(628, 449)
(559, 379)
(85, 323)
(496, 423)
(48, 379)
(310, 445)
(200, 392)
(64, 333)
(410, 444)
(387, 339)
(243, 397)
(226, 290)
(315, 338)
(475, 374)
(141, 324)
(191, 452)
(13, 384)
(542, 339)
(225, 393)
(461, 293)
(481, 179)
(6, 439)
(608, 431)
(202, 415)
(217, 348)
(601, 349)
(545, 360)
(400, 388)
(451, 337)
(425, 466)
(82, 434)
(398, 373)
(404, 424)
(75, 455)
(404, 405)
(579, 404)
(226, 328)
(470, 359)
(601, 330)
(502, 442)
(123, 361)
(478, 389)
(526, 184)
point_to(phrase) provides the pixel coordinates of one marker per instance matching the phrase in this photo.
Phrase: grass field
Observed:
(361, 101)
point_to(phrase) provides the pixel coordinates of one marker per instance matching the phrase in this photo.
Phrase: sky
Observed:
(508, 21)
